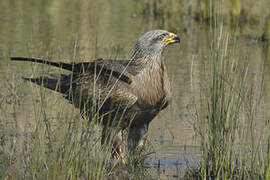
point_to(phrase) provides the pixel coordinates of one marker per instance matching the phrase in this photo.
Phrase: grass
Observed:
(232, 10)
(266, 33)
(65, 146)
(59, 144)
(243, 16)
(230, 102)
(62, 145)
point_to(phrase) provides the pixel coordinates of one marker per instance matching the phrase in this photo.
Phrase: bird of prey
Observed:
(120, 93)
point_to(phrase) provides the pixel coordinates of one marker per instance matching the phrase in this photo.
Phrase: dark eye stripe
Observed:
(160, 37)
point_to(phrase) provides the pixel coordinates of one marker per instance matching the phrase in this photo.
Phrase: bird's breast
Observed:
(152, 88)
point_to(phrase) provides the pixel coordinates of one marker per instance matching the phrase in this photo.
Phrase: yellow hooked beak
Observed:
(172, 39)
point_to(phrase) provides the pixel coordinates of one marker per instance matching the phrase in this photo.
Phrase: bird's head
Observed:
(153, 42)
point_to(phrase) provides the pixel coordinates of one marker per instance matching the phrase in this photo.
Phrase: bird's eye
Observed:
(160, 37)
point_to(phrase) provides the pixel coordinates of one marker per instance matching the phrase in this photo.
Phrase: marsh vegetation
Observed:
(217, 126)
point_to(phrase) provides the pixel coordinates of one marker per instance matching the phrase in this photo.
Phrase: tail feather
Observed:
(80, 67)
(56, 82)
(62, 65)
(74, 67)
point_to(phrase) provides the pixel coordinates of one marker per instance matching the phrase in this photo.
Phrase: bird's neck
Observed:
(147, 59)
(153, 76)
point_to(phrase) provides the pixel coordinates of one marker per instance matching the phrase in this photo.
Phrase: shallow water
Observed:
(56, 30)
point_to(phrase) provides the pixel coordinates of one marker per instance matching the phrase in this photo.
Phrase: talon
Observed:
(123, 161)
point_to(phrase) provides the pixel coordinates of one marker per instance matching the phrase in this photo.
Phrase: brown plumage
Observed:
(128, 93)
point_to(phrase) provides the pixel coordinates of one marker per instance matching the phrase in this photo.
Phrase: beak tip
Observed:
(176, 39)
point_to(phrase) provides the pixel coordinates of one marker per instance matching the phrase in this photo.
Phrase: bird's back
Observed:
(101, 87)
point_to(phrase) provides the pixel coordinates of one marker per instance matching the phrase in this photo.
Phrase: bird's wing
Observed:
(104, 67)
(101, 84)
(55, 82)
(107, 80)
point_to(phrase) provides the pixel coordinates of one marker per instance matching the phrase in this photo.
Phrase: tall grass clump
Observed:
(224, 103)
(230, 101)
(229, 145)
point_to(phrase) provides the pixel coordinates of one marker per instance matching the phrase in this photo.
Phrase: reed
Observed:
(266, 33)
(229, 147)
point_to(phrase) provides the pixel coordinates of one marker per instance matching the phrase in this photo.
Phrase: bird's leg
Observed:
(141, 143)
(137, 137)
(117, 142)
(117, 145)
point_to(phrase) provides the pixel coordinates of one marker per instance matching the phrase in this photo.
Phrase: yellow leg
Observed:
(123, 161)
(117, 145)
